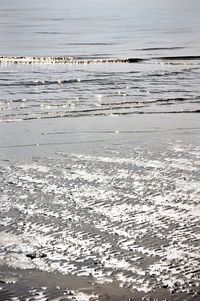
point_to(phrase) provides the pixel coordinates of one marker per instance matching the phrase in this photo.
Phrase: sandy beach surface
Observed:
(19, 284)
(100, 208)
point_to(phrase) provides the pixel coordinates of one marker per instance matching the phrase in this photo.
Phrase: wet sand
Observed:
(16, 284)
(100, 208)
(95, 134)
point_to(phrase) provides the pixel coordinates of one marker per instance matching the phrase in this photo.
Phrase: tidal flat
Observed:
(100, 208)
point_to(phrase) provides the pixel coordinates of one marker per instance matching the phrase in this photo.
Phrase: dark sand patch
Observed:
(16, 284)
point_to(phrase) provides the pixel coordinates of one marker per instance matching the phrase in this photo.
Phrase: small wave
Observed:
(160, 48)
(180, 58)
(93, 60)
(5, 101)
(64, 60)
(41, 82)
(89, 113)
(188, 60)
(90, 44)
(49, 32)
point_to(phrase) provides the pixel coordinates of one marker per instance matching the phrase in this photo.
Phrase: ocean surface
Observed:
(163, 36)
(100, 144)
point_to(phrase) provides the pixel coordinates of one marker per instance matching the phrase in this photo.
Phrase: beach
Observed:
(62, 212)
(99, 150)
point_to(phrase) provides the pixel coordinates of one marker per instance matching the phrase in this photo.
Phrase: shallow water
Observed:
(46, 91)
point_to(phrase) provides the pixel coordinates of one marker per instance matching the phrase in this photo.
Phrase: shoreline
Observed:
(44, 137)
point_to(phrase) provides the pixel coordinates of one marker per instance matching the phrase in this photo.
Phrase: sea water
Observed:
(164, 34)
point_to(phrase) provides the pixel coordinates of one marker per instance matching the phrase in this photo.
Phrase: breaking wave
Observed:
(74, 60)
(64, 60)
